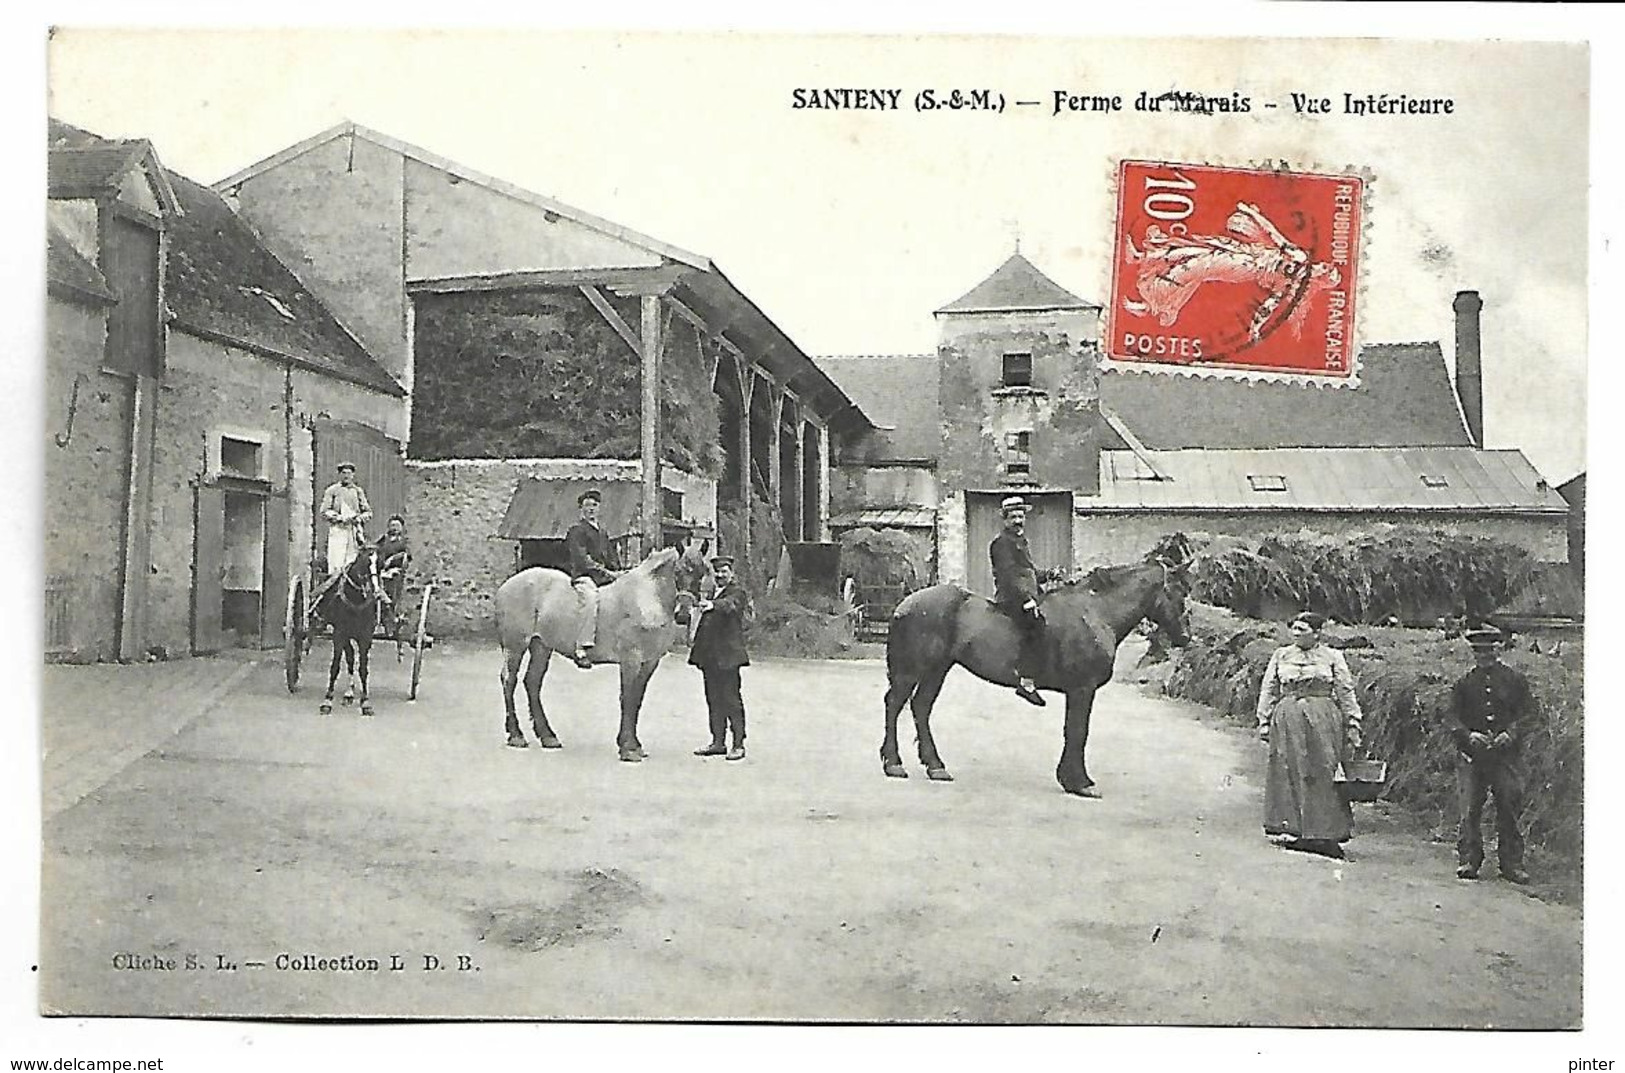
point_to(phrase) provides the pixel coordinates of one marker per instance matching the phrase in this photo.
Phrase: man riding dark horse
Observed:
(1015, 587)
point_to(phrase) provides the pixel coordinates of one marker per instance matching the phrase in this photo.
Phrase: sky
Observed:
(850, 227)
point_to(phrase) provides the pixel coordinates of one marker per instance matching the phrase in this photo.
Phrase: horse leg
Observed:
(634, 683)
(332, 679)
(1072, 773)
(365, 645)
(349, 670)
(540, 657)
(897, 694)
(511, 659)
(925, 695)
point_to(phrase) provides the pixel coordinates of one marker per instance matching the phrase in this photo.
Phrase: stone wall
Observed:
(1060, 410)
(85, 480)
(210, 390)
(457, 506)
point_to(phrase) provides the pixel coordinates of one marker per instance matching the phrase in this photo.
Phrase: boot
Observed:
(583, 657)
(1029, 692)
(716, 748)
(1466, 871)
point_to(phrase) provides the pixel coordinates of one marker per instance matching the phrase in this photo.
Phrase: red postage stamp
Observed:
(1235, 268)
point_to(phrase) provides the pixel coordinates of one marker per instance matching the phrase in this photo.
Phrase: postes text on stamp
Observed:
(1235, 268)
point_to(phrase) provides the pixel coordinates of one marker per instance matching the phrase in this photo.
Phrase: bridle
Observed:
(349, 584)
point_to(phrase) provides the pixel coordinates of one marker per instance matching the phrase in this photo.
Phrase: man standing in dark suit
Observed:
(1492, 706)
(592, 563)
(1015, 587)
(719, 651)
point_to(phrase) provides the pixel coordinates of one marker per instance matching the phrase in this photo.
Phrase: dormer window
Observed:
(1267, 482)
(1018, 369)
(1435, 480)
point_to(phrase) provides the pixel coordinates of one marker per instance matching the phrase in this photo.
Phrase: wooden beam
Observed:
(607, 311)
(651, 283)
(650, 423)
(687, 314)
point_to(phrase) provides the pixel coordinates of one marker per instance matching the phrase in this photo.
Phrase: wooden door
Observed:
(208, 563)
(379, 470)
(274, 587)
(1049, 533)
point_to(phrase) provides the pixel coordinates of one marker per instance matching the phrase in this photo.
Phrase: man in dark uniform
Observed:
(1492, 707)
(592, 563)
(719, 651)
(1015, 590)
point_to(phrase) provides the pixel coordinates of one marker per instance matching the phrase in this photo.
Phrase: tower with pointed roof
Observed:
(1018, 410)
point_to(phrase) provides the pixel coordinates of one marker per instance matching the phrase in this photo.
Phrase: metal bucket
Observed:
(1361, 780)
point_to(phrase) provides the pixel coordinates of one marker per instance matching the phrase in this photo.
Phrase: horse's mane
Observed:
(1102, 578)
(658, 560)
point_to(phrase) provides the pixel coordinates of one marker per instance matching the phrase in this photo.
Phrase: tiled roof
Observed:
(898, 392)
(221, 283)
(1326, 479)
(1016, 285)
(543, 509)
(66, 269)
(1404, 399)
(85, 171)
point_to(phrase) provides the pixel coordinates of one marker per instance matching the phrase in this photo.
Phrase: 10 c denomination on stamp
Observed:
(1235, 268)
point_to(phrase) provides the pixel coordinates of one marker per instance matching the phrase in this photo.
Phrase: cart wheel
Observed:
(295, 629)
(418, 641)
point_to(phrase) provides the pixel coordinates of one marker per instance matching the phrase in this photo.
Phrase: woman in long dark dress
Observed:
(1309, 716)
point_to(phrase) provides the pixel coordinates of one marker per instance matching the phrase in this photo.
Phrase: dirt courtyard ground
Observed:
(798, 884)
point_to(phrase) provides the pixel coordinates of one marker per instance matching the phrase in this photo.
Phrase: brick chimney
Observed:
(1469, 367)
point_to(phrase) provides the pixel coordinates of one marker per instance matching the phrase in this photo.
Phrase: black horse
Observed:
(1086, 619)
(350, 606)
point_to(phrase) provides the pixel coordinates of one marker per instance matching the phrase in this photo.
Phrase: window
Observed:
(1435, 480)
(1267, 482)
(671, 503)
(1018, 369)
(239, 458)
(1018, 453)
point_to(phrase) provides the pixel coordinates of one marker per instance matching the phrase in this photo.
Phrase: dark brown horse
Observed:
(1085, 620)
(350, 607)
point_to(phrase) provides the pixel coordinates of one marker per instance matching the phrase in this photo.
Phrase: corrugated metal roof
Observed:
(1016, 285)
(886, 517)
(1326, 478)
(543, 509)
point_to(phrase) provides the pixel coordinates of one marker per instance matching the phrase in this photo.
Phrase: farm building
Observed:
(544, 348)
(1111, 458)
(196, 390)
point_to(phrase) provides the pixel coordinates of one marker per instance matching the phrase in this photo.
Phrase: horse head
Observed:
(661, 566)
(1172, 557)
(361, 578)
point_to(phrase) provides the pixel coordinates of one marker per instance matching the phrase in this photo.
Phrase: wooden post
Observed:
(747, 387)
(775, 459)
(822, 530)
(804, 528)
(650, 445)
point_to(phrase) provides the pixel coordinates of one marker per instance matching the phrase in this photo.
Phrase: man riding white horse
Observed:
(593, 562)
